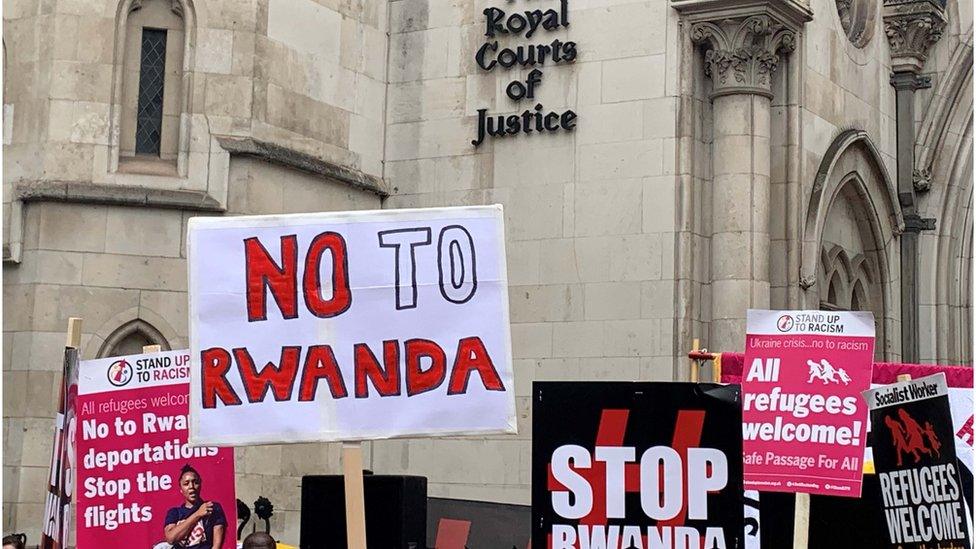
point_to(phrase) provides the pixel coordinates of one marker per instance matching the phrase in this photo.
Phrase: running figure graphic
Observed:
(814, 371)
(910, 439)
(897, 437)
(843, 376)
(824, 371)
(829, 373)
(916, 439)
(934, 443)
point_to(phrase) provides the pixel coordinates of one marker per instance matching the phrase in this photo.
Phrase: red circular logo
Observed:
(785, 323)
(120, 373)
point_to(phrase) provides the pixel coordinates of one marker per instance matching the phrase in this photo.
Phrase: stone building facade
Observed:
(723, 154)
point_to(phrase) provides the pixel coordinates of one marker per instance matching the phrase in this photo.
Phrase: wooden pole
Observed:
(694, 363)
(152, 349)
(352, 472)
(801, 522)
(801, 515)
(717, 368)
(73, 339)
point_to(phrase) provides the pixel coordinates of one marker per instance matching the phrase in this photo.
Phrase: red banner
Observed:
(883, 373)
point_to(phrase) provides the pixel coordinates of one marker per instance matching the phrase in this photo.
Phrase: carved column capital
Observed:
(743, 40)
(912, 27)
(741, 56)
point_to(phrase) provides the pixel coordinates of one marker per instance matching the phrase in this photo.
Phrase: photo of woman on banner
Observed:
(194, 524)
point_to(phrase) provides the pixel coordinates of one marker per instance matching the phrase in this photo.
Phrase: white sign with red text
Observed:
(349, 326)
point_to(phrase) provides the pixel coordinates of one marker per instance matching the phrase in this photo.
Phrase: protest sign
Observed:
(803, 418)
(349, 326)
(915, 459)
(826, 512)
(647, 465)
(131, 450)
(961, 410)
(57, 502)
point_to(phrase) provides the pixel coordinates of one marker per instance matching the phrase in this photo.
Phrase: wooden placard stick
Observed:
(352, 472)
(801, 516)
(152, 349)
(73, 339)
(694, 363)
(801, 522)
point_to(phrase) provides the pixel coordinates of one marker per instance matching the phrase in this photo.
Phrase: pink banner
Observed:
(884, 372)
(804, 420)
(57, 518)
(132, 456)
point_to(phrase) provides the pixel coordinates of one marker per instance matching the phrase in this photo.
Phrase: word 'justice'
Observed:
(500, 24)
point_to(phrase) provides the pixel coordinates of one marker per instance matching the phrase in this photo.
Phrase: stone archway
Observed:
(149, 325)
(848, 239)
(130, 338)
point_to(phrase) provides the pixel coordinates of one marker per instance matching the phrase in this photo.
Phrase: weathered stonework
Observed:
(912, 28)
(664, 215)
(742, 43)
(741, 56)
(858, 19)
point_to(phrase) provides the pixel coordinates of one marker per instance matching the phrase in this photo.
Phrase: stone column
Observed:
(743, 43)
(912, 27)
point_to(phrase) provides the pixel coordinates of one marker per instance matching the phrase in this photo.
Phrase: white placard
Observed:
(349, 326)
(124, 373)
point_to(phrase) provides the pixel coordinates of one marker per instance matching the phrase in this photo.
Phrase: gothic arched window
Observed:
(152, 88)
(849, 277)
(130, 338)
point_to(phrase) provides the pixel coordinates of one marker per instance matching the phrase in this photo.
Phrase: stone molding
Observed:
(910, 81)
(80, 192)
(119, 195)
(949, 101)
(743, 40)
(271, 152)
(912, 28)
(915, 223)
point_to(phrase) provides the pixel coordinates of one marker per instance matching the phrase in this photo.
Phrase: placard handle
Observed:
(801, 522)
(73, 336)
(352, 472)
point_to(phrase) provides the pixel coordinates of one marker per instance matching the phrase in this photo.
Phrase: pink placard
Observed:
(804, 421)
(131, 445)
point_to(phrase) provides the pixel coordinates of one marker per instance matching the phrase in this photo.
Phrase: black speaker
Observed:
(396, 512)
(835, 522)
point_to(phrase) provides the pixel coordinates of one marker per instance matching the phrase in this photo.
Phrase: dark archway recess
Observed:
(130, 338)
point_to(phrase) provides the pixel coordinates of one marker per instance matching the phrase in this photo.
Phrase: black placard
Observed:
(921, 490)
(636, 439)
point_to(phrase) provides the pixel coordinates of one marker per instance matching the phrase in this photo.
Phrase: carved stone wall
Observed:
(858, 18)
